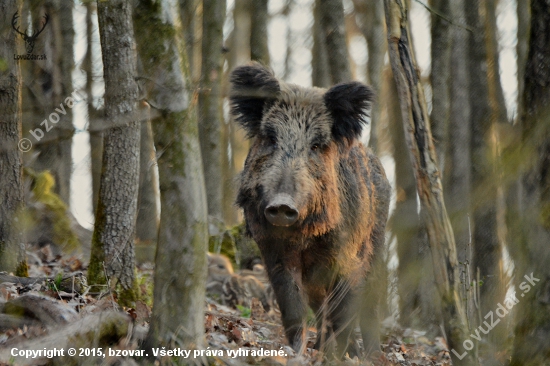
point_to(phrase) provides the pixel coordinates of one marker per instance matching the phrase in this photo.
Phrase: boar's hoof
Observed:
(281, 211)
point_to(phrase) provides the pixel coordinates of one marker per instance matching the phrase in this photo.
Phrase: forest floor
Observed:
(55, 309)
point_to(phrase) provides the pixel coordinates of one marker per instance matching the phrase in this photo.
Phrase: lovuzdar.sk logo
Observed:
(29, 40)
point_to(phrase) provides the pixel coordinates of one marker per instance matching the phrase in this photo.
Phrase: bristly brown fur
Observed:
(306, 146)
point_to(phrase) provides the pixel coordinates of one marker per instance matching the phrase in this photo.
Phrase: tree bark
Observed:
(210, 113)
(333, 28)
(372, 26)
(147, 216)
(430, 191)
(183, 231)
(440, 77)
(531, 345)
(112, 256)
(320, 74)
(522, 47)
(457, 175)
(487, 112)
(188, 10)
(259, 16)
(12, 247)
(416, 308)
(95, 124)
(55, 147)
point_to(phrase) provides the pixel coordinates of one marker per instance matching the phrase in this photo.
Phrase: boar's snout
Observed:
(281, 211)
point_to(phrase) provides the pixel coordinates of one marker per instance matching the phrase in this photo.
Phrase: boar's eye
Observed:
(314, 147)
(272, 141)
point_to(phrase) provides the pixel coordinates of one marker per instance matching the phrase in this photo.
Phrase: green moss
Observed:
(545, 215)
(22, 269)
(63, 235)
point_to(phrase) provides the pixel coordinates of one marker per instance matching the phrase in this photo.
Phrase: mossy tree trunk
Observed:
(112, 255)
(12, 247)
(423, 157)
(334, 31)
(183, 233)
(210, 112)
(531, 346)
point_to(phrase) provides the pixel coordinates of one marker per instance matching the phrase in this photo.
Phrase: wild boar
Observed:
(314, 199)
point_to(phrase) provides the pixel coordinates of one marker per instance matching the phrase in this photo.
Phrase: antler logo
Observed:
(29, 40)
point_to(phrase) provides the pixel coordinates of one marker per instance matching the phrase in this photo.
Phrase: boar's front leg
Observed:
(286, 278)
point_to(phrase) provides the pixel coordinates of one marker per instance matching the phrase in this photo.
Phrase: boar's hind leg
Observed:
(291, 302)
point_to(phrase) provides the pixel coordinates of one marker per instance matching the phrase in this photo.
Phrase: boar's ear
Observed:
(253, 88)
(349, 104)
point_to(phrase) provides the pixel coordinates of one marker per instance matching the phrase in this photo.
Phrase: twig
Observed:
(445, 17)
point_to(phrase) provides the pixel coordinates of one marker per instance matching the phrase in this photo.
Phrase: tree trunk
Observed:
(188, 10)
(95, 124)
(12, 247)
(423, 157)
(320, 74)
(333, 28)
(147, 217)
(259, 16)
(210, 113)
(112, 257)
(487, 111)
(440, 77)
(55, 147)
(373, 29)
(522, 47)
(457, 173)
(183, 231)
(531, 346)
(409, 232)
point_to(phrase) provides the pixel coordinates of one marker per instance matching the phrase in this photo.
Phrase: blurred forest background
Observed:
(145, 160)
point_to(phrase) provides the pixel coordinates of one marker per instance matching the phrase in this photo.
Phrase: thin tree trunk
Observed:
(374, 31)
(320, 74)
(95, 124)
(423, 157)
(55, 147)
(457, 173)
(487, 111)
(333, 28)
(147, 217)
(210, 113)
(188, 14)
(12, 247)
(440, 77)
(258, 31)
(531, 346)
(239, 53)
(522, 47)
(112, 257)
(183, 231)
